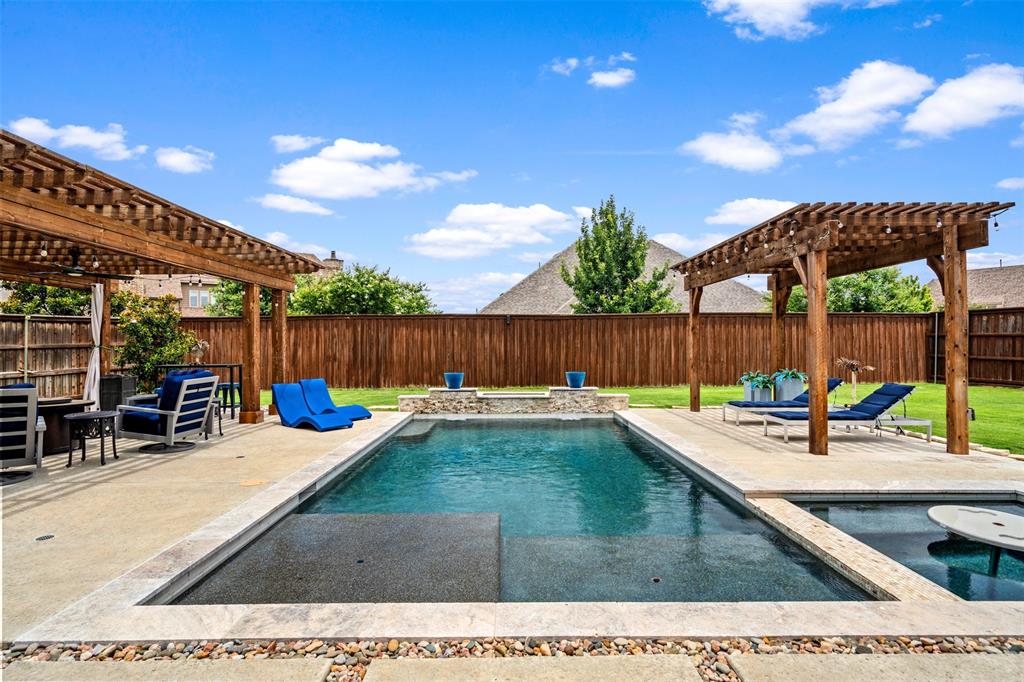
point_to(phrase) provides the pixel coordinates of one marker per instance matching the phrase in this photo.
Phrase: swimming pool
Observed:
(903, 532)
(519, 510)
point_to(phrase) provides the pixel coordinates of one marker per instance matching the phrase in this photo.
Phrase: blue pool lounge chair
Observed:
(183, 409)
(319, 401)
(759, 407)
(294, 412)
(872, 412)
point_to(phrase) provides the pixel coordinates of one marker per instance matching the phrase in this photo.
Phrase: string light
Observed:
(42, 250)
(888, 229)
(95, 261)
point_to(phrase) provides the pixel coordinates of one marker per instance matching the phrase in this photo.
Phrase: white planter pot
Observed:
(787, 389)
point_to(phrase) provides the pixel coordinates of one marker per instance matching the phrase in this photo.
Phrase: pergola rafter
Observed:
(52, 206)
(809, 243)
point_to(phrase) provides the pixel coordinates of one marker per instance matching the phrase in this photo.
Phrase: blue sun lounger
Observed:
(319, 401)
(872, 412)
(760, 407)
(294, 412)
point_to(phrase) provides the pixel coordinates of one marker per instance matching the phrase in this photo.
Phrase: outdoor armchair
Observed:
(184, 409)
(21, 429)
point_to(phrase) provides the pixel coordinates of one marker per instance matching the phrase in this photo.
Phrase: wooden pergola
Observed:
(810, 243)
(52, 207)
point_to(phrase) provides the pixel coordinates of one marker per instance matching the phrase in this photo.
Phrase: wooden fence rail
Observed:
(529, 350)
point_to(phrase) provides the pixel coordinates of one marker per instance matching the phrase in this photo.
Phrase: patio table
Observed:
(999, 530)
(97, 424)
(229, 399)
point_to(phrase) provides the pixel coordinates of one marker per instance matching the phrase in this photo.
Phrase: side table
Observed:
(99, 424)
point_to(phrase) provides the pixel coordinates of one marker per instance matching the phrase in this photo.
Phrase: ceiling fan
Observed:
(76, 270)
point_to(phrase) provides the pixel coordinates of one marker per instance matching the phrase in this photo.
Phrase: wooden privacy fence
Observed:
(529, 350)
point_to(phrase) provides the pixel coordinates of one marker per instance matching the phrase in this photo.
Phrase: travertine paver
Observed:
(270, 670)
(563, 669)
(879, 668)
(865, 566)
(555, 400)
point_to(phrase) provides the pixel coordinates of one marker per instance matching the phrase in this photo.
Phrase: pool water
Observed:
(519, 510)
(903, 532)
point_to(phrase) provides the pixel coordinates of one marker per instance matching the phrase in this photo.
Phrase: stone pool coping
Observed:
(120, 609)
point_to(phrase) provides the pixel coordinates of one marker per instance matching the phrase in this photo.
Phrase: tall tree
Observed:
(39, 299)
(885, 290)
(227, 299)
(609, 277)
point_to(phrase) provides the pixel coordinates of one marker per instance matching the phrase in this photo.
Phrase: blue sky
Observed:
(454, 143)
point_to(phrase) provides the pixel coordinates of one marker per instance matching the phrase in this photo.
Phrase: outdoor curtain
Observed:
(92, 373)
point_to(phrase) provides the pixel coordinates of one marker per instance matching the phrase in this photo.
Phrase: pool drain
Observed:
(48, 536)
(359, 561)
(655, 579)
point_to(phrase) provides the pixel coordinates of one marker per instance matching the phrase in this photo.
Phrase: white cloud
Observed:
(473, 230)
(294, 143)
(858, 105)
(348, 169)
(1019, 140)
(688, 245)
(929, 20)
(534, 256)
(616, 78)
(1011, 183)
(908, 143)
(230, 224)
(993, 259)
(107, 144)
(564, 67)
(787, 19)
(285, 241)
(982, 95)
(184, 160)
(621, 57)
(582, 211)
(283, 202)
(470, 293)
(747, 212)
(745, 151)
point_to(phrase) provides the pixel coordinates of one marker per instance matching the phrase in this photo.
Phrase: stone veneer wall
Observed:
(556, 399)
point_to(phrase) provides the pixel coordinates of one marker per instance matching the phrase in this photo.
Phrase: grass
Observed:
(1000, 411)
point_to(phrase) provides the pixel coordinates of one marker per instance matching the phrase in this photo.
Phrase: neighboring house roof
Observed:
(990, 287)
(543, 292)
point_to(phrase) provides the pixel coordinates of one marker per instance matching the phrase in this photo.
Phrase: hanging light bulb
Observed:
(938, 223)
(996, 225)
(42, 250)
(95, 261)
(888, 229)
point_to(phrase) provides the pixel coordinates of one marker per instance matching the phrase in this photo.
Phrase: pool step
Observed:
(562, 669)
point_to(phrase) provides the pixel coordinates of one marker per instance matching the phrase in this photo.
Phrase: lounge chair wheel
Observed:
(180, 446)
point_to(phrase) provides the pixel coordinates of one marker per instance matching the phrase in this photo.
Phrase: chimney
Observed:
(333, 263)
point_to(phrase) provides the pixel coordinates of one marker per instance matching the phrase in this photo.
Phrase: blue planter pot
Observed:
(575, 379)
(453, 380)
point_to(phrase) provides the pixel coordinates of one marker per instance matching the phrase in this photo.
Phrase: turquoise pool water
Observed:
(903, 532)
(588, 512)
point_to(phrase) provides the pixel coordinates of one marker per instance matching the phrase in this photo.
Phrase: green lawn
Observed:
(1000, 411)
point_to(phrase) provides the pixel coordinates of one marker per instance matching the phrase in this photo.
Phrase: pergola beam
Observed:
(693, 348)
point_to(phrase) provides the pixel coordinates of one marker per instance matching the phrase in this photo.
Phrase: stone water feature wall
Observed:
(556, 399)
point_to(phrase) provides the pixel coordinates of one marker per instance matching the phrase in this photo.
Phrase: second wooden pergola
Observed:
(809, 243)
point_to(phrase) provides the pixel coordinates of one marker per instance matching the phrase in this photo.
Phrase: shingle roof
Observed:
(990, 287)
(544, 293)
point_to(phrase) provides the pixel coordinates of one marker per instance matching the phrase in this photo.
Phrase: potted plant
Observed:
(756, 385)
(575, 379)
(789, 383)
(453, 380)
(853, 366)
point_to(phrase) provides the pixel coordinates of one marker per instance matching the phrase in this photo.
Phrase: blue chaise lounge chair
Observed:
(872, 412)
(292, 408)
(319, 401)
(760, 407)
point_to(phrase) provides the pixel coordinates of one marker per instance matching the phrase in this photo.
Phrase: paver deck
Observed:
(879, 668)
(270, 670)
(566, 669)
(107, 520)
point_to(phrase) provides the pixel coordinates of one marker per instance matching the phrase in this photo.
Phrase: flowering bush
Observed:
(151, 337)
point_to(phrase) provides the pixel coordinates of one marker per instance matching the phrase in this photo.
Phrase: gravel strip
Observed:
(351, 659)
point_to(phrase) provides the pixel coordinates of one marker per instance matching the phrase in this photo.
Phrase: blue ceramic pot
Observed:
(453, 380)
(575, 379)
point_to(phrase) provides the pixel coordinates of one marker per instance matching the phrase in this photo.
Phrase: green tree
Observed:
(227, 299)
(609, 277)
(884, 290)
(152, 336)
(361, 290)
(39, 299)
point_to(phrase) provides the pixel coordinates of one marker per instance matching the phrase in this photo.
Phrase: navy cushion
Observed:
(143, 422)
(18, 386)
(172, 385)
(769, 403)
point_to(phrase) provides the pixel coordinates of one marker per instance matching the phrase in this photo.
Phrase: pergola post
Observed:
(780, 301)
(107, 329)
(693, 348)
(251, 412)
(817, 350)
(954, 282)
(279, 333)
